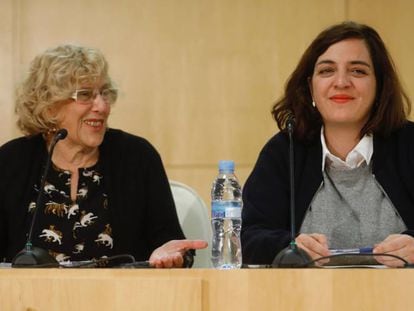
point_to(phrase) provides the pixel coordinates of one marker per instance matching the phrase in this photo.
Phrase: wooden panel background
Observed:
(197, 77)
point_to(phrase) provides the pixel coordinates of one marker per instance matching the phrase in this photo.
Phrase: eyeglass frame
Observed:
(95, 92)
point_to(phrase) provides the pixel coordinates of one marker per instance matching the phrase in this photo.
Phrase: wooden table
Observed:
(206, 289)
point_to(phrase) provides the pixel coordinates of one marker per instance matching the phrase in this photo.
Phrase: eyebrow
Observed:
(103, 86)
(354, 62)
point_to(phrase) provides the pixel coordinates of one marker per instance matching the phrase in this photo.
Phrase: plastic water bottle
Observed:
(226, 206)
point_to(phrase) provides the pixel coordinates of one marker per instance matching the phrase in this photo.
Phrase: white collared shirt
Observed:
(361, 153)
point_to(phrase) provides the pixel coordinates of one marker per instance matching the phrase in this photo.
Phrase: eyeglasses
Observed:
(86, 96)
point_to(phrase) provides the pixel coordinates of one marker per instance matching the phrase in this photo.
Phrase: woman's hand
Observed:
(401, 245)
(170, 254)
(315, 244)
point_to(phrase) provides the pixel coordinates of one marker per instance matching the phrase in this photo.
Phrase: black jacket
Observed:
(142, 209)
(266, 224)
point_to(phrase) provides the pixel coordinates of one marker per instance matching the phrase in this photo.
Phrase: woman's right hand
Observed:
(315, 244)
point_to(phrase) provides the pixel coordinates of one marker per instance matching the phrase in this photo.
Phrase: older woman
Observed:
(106, 193)
(354, 155)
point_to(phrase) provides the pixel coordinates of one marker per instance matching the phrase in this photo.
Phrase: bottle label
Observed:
(226, 209)
(233, 212)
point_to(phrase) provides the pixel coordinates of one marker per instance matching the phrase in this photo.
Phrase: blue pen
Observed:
(361, 250)
(366, 250)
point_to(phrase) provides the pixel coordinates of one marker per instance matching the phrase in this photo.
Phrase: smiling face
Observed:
(86, 122)
(343, 84)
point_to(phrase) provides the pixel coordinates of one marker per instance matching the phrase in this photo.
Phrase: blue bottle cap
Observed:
(226, 166)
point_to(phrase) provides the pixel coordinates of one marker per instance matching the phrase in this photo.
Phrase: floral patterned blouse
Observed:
(73, 230)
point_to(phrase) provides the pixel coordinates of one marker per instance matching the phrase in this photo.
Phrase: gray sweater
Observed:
(351, 209)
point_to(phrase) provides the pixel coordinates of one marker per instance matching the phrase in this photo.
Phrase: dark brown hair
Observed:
(391, 105)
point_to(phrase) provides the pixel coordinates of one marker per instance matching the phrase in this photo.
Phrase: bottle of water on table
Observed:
(226, 206)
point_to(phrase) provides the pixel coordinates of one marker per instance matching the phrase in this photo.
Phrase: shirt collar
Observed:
(361, 153)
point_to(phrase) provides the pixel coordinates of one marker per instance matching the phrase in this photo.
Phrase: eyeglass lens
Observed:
(87, 95)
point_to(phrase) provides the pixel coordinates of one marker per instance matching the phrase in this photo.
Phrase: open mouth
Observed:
(94, 123)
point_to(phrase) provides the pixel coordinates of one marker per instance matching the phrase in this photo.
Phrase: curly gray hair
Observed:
(53, 77)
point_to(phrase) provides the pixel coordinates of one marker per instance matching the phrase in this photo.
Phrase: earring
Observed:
(51, 130)
(313, 104)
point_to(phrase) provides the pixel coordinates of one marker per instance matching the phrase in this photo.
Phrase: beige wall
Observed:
(7, 62)
(197, 77)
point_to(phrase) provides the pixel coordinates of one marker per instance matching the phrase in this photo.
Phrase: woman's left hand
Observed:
(401, 245)
(170, 254)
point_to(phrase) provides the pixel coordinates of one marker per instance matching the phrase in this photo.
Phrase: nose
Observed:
(342, 79)
(99, 104)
